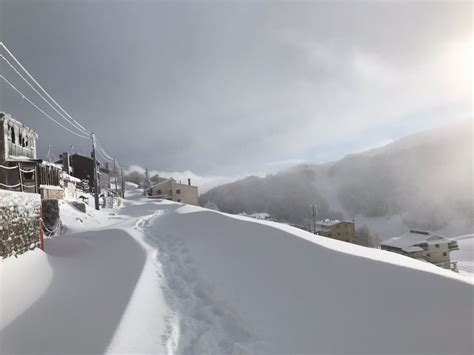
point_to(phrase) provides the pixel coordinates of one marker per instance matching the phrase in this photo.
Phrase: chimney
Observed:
(189, 182)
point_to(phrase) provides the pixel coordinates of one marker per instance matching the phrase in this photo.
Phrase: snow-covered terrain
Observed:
(162, 277)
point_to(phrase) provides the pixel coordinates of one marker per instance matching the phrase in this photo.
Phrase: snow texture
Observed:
(163, 277)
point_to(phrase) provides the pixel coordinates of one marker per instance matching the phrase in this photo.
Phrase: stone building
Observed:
(340, 230)
(170, 189)
(425, 246)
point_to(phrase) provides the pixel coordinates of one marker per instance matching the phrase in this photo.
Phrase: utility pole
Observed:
(115, 174)
(96, 189)
(147, 183)
(69, 160)
(123, 183)
(315, 214)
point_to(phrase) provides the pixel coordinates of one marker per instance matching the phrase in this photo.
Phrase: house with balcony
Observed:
(426, 246)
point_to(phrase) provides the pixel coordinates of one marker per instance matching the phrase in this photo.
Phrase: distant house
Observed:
(82, 168)
(340, 230)
(424, 246)
(169, 189)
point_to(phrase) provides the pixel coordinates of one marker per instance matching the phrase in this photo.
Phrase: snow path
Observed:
(199, 323)
(82, 307)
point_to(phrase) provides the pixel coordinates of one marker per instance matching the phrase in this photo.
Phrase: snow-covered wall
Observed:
(20, 222)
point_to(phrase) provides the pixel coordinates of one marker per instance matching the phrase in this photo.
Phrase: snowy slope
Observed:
(161, 277)
(266, 289)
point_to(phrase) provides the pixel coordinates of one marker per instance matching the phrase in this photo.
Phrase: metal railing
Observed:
(18, 151)
(21, 185)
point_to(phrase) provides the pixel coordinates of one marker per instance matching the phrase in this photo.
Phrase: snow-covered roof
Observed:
(413, 238)
(412, 249)
(68, 177)
(328, 222)
(161, 182)
(48, 163)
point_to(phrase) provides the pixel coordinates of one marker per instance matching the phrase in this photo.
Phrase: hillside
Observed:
(199, 281)
(421, 181)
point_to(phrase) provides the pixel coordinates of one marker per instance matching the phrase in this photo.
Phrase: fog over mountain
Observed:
(420, 181)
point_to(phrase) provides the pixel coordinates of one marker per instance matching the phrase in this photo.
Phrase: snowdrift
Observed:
(239, 285)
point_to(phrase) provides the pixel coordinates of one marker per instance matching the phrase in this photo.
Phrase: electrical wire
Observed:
(40, 110)
(39, 94)
(47, 94)
(84, 132)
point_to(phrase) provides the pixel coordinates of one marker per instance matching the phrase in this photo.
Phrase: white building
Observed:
(424, 246)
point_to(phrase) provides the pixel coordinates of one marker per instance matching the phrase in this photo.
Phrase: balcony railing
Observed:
(15, 151)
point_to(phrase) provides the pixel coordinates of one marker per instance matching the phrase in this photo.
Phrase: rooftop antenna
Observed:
(314, 208)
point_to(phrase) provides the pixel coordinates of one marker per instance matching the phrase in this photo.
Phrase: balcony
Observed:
(16, 151)
(453, 245)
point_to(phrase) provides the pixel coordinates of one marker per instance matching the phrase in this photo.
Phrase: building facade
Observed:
(171, 190)
(17, 155)
(340, 230)
(425, 246)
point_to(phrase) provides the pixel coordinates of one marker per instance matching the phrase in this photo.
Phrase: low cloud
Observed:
(204, 183)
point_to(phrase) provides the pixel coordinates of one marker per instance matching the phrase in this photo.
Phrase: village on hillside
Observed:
(32, 189)
(82, 181)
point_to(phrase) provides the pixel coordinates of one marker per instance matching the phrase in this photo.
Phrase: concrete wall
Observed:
(20, 222)
(344, 231)
(435, 254)
(53, 192)
(185, 194)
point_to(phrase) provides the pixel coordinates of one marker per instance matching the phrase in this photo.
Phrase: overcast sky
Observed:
(231, 88)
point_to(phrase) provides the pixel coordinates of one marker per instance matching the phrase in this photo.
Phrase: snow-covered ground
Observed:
(162, 277)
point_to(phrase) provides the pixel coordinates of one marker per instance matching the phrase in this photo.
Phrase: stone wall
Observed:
(51, 217)
(20, 222)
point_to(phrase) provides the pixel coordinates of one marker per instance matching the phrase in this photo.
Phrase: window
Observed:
(428, 255)
(178, 192)
(158, 192)
(179, 200)
(445, 254)
(437, 245)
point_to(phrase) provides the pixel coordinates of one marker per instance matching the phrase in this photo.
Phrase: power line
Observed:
(40, 110)
(84, 133)
(107, 155)
(39, 94)
(47, 94)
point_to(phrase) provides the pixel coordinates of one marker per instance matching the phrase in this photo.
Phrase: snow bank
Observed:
(22, 281)
(242, 285)
(94, 276)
